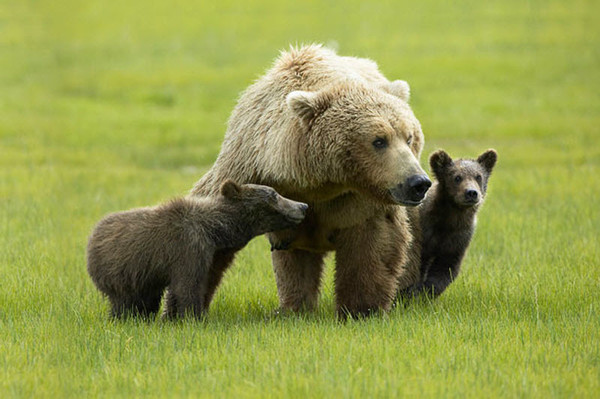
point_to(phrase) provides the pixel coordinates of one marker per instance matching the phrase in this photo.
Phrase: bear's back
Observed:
(143, 235)
(314, 67)
(261, 130)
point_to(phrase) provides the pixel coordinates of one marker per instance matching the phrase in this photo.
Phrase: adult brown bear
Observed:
(333, 132)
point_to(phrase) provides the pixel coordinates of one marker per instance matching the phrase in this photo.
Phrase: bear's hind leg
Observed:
(118, 308)
(134, 306)
(298, 274)
(186, 297)
(150, 303)
(125, 307)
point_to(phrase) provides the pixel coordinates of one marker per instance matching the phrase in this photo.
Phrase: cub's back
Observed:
(139, 237)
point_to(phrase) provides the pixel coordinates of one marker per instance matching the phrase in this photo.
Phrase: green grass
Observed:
(110, 105)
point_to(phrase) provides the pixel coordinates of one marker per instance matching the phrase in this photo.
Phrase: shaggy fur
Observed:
(444, 224)
(185, 244)
(333, 132)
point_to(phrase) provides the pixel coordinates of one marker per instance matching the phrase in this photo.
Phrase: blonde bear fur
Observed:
(333, 132)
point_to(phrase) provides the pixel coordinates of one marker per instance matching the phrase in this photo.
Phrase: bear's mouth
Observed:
(469, 203)
(405, 201)
(295, 219)
(410, 203)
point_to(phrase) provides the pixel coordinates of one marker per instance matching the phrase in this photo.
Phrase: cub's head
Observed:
(464, 181)
(365, 138)
(262, 207)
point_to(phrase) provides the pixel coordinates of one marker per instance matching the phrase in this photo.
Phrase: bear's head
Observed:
(463, 181)
(261, 208)
(365, 138)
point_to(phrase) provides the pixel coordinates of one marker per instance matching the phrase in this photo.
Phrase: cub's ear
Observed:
(306, 105)
(439, 161)
(230, 190)
(488, 159)
(398, 88)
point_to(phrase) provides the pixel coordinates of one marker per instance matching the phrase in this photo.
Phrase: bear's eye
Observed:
(380, 143)
(458, 179)
(478, 178)
(409, 140)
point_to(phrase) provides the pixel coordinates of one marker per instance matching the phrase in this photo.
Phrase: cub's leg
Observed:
(151, 303)
(136, 305)
(187, 289)
(443, 270)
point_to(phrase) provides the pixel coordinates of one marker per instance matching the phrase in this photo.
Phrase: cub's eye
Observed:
(409, 140)
(478, 178)
(457, 179)
(380, 143)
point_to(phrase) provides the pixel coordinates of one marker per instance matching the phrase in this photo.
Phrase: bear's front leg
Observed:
(369, 259)
(298, 274)
(221, 262)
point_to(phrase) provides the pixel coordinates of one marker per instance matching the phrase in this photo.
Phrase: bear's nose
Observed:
(471, 195)
(418, 186)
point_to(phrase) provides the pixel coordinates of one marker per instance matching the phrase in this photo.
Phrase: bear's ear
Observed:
(398, 88)
(439, 161)
(488, 159)
(230, 189)
(306, 105)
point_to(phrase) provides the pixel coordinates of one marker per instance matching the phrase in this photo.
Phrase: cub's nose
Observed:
(418, 186)
(472, 195)
(303, 207)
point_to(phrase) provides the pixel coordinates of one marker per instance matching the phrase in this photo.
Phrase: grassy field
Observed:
(109, 105)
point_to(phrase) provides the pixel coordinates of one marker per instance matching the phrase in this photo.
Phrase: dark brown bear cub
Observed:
(185, 245)
(445, 222)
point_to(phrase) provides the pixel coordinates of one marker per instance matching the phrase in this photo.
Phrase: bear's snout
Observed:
(301, 208)
(417, 186)
(412, 191)
(471, 196)
(295, 211)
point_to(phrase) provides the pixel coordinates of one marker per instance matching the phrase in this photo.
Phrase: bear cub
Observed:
(132, 256)
(445, 221)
